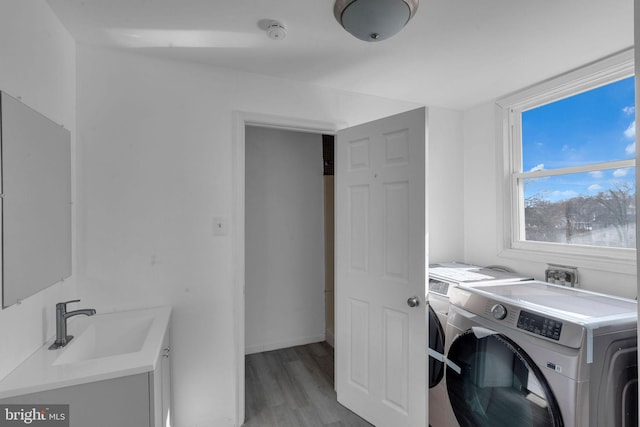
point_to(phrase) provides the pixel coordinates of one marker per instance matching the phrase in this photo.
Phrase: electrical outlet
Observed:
(561, 275)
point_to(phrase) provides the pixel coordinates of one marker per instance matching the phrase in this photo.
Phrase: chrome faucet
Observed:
(62, 315)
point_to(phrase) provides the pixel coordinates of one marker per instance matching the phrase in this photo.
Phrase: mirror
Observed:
(36, 201)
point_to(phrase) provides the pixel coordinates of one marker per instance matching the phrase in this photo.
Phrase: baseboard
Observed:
(259, 348)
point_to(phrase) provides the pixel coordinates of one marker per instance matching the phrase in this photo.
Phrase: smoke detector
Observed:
(276, 31)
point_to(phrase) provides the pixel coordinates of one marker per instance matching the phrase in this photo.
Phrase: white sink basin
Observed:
(104, 346)
(104, 336)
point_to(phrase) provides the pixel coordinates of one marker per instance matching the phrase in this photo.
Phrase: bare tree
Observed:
(540, 220)
(569, 218)
(617, 203)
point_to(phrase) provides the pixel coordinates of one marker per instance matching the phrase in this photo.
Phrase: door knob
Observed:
(413, 302)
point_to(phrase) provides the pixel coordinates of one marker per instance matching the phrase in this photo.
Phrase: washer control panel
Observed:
(540, 325)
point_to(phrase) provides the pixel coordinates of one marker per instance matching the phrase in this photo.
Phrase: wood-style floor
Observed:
(293, 387)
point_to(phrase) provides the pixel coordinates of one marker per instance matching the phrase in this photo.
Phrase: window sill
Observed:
(614, 260)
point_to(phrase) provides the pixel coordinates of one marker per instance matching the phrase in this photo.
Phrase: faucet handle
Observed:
(63, 305)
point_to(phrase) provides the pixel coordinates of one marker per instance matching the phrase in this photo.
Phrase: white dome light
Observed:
(374, 20)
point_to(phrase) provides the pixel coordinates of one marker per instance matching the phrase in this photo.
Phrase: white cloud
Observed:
(631, 130)
(594, 188)
(619, 173)
(536, 168)
(631, 148)
(596, 174)
(629, 110)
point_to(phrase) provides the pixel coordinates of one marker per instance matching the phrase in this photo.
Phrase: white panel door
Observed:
(380, 264)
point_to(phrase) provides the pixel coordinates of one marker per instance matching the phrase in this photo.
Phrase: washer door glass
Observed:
(497, 384)
(436, 343)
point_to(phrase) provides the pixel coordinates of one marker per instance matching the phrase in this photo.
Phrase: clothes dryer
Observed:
(442, 279)
(536, 354)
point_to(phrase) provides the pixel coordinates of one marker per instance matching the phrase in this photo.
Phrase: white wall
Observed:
(446, 186)
(284, 239)
(482, 215)
(38, 65)
(155, 156)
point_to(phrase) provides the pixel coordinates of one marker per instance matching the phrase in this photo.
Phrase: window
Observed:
(570, 157)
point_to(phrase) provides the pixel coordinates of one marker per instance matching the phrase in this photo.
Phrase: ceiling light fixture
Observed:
(374, 20)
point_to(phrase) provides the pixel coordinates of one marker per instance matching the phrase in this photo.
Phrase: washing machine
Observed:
(536, 354)
(442, 279)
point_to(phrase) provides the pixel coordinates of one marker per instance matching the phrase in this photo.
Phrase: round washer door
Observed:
(498, 384)
(436, 343)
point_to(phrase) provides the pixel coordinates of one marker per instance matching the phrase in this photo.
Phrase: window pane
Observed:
(596, 208)
(592, 127)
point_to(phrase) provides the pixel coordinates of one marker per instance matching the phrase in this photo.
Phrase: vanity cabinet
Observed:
(160, 384)
(132, 400)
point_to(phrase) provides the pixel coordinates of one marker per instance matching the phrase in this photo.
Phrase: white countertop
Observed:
(40, 372)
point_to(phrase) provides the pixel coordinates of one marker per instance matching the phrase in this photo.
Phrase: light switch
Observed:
(220, 227)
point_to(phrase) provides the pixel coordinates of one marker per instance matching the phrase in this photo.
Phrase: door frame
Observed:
(240, 120)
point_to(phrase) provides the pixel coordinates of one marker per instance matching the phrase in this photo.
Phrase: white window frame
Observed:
(510, 199)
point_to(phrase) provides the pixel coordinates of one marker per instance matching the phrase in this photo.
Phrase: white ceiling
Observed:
(453, 53)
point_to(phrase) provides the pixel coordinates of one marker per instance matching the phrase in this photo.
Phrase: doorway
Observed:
(284, 239)
(241, 120)
(400, 143)
(289, 361)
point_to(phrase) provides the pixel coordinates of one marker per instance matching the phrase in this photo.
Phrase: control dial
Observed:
(499, 311)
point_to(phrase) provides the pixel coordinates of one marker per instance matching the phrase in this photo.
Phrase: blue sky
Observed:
(595, 126)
